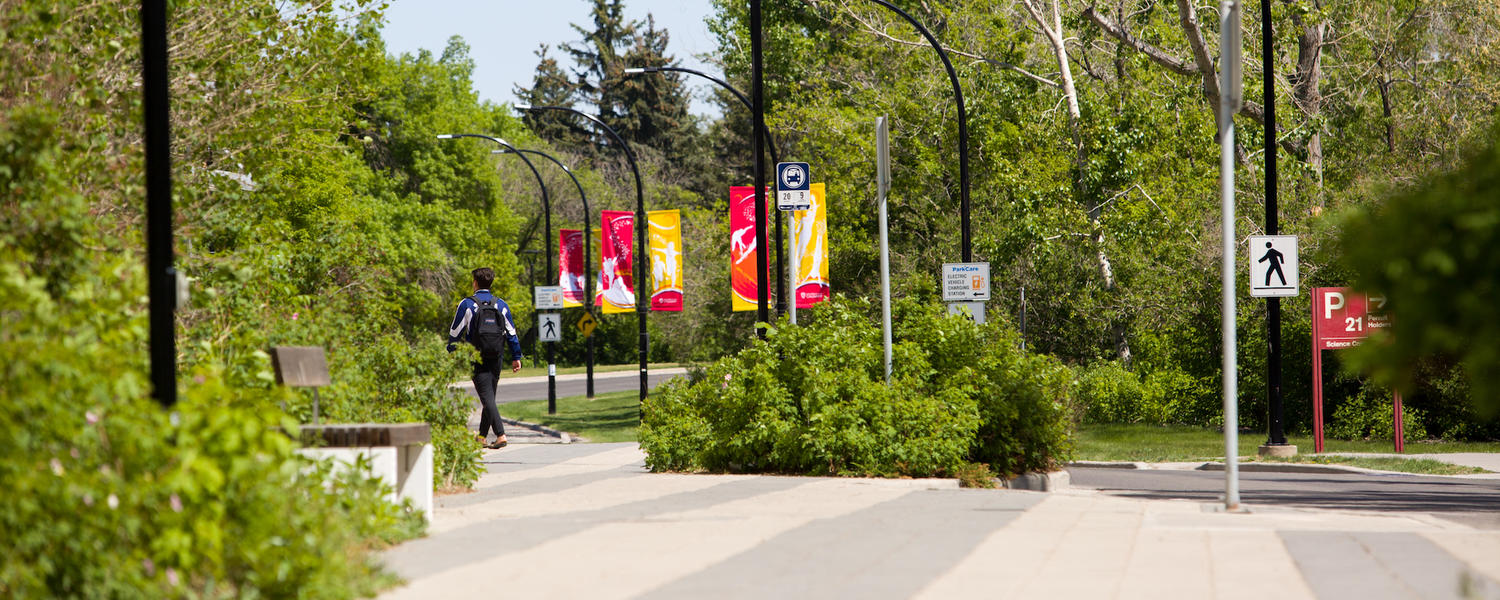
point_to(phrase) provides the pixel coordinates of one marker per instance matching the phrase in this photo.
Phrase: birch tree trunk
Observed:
(1051, 27)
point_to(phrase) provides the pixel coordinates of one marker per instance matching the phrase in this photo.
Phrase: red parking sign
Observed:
(1341, 318)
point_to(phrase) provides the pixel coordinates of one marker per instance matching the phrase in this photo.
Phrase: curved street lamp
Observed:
(963, 127)
(588, 252)
(770, 147)
(546, 239)
(642, 255)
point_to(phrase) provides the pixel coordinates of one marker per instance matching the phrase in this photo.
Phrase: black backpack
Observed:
(489, 328)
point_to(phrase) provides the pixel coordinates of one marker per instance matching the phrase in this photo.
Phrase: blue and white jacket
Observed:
(461, 332)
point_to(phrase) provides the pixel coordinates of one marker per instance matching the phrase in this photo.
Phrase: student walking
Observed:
(485, 322)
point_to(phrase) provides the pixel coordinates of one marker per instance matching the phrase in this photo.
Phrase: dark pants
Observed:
(486, 376)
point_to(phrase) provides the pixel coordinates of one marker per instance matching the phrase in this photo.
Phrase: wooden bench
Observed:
(398, 453)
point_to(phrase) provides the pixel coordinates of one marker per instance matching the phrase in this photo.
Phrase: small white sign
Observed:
(1273, 266)
(548, 297)
(973, 310)
(549, 327)
(792, 186)
(966, 282)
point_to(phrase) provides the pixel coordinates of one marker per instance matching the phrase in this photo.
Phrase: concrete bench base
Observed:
(398, 454)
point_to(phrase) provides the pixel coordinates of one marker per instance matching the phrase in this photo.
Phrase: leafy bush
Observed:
(1434, 251)
(1109, 393)
(1106, 392)
(1370, 414)
(111, 496)
(959, 392)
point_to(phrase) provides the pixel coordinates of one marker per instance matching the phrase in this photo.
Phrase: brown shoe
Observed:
(498, 444)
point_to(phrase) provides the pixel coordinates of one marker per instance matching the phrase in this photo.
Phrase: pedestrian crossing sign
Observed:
(1273, 266)
(549, 326)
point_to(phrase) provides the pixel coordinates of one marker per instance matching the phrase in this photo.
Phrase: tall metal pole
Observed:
(588, 253)
(758, 123)
(641, 256)
(546, 262)
(1230, 90)
(1277, 434)
(883, 187)
(781, 301)
(963, 125)
(161, 277)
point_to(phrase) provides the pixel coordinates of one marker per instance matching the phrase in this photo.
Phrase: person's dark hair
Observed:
(483, 277)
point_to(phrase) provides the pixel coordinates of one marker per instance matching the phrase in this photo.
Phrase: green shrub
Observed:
(1370, 414)
(959, 392)
(1109, 393)
(112, 496)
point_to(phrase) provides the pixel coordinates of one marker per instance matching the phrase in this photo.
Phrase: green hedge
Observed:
(109, 495)
(812, 399)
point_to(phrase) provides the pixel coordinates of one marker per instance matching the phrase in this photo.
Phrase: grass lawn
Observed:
(609, 417)
(527, 370)
(1424, 466)
(1152, 443)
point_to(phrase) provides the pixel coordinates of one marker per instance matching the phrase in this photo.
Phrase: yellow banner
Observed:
(665, 240)
(810, 234)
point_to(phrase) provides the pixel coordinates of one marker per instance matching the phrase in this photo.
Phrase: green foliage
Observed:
(1105, 392)
(114, 497)
(1370, 414)
(958, 392)
(1434, 251)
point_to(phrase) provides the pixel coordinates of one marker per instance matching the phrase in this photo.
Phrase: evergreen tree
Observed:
(656, 106)
(551, 86)
(597, 62)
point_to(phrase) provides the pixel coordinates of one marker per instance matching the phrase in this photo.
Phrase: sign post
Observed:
(1341, 318)
(1231, 91)
(883, 187)
(549, 297)
(793, 192)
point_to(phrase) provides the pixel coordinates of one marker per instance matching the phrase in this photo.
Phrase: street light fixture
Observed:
(547, 241)
(770, 147)
(642, 255)
(588, 253)
(963, 127)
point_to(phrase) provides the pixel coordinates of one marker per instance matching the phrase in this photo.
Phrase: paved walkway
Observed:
(587, 520)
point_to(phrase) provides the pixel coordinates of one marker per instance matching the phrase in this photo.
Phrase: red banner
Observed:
(570, 265)
(742, 280)
(616, 262)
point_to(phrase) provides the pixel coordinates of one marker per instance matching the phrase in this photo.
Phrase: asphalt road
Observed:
(519, 389)
(1473, 502)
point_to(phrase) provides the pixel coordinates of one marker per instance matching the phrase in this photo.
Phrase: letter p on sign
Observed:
(1332, 301)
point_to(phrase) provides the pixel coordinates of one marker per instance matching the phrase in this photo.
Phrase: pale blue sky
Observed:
(504, 34)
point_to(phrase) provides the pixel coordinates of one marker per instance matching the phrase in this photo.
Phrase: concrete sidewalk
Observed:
(587, 520)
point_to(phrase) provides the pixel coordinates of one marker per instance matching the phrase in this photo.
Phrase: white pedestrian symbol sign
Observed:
(549, 327)
(1273, 266)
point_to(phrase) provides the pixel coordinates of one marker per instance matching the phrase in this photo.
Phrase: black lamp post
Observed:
(588, 253)
(161, 277)
(770, 147)
(963, 127)
(642, 255)
(547, 240)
